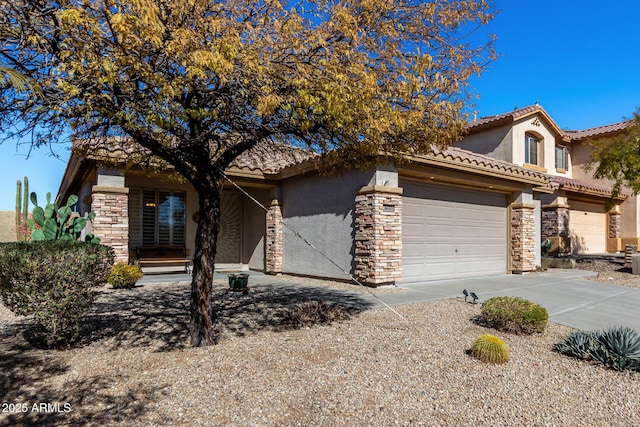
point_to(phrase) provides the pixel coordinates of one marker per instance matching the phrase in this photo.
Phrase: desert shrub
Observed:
(490, 349)
(310, 313)
(516, 315)
(123, 275)
(617, 348)
(53, 282)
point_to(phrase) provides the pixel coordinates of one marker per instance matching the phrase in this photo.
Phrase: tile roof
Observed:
(510, 116)
(573, 135)
(272, 157)
(598, 131)
(266, 157)
(575, 184)
(464, 156)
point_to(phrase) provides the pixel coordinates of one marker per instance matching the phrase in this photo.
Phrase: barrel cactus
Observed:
(490, 349)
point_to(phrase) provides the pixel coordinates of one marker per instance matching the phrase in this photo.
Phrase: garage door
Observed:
(587, 228)
(451, 233)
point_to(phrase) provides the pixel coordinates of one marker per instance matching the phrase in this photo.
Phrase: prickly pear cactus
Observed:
(56, 222)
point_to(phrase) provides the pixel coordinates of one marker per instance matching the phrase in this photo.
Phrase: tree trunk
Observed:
(202, 316)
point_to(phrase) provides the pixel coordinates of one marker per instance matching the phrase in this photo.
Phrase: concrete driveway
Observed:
(568, 295)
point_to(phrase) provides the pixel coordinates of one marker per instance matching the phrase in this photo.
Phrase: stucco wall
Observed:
(494, 143)
(253, 229)
(547, 149)
(7, 226)
(507, 143)
(321, 209)
(630, 226)
(538, 227)
(580, 156)
(630, 221)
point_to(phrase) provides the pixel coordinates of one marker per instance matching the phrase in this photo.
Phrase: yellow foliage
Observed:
(391, 73)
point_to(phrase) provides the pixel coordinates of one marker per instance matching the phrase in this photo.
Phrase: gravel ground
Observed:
(134, 367)
(610, 271)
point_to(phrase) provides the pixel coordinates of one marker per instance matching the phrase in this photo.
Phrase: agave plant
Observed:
(621, 346)
(622, 341)
(577, 344)
(617, 347)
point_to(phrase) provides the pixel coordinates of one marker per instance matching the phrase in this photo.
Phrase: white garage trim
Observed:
(452, 232)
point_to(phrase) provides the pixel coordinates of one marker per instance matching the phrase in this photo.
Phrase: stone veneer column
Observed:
(378, 235)
(523, 238)
(615, 222)
(274, 239)
(555, 227)
(111, 224)
(555, 221)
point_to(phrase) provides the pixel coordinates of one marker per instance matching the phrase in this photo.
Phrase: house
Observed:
(576, 217)
(444, 214)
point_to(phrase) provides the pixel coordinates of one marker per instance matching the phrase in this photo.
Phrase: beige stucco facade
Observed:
(576, 216)
(506, 142)
(349, 225)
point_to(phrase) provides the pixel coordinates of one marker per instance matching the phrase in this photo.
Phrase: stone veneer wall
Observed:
(111, 224)
(523, 238)
(615, 224)
(274, 239)
(378, 235)
(555, 221)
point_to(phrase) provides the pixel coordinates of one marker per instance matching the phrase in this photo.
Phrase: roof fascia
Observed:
(479, 170)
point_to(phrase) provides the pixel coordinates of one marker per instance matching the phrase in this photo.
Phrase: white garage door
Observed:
(451, 233)
(587, 228)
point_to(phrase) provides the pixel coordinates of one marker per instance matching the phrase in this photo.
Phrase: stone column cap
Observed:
(368, 189)
(555, 206)
(523, 205)
(103, 189)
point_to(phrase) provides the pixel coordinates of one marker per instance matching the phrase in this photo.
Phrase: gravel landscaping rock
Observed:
(611, 271)
(134, 367)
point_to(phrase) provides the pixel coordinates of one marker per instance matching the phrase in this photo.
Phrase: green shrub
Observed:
(490, 349)
(516, 315)
(124, 275)
(617, 348)
(53, 282)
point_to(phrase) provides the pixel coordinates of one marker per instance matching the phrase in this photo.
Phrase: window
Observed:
(531, 150)
(561, 158)
(163, 217)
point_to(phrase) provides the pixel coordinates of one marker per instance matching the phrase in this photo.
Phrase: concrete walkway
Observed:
(568, 295)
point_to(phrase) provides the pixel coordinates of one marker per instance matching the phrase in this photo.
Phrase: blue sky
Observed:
(579, 59)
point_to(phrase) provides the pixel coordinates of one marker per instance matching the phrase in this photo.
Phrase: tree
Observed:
(618, 158)
(198, 82)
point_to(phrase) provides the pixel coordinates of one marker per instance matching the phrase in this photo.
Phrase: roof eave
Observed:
(540, 183)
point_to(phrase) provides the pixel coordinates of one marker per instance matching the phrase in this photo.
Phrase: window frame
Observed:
(565, 158)
(527, 149)
(152, 212)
